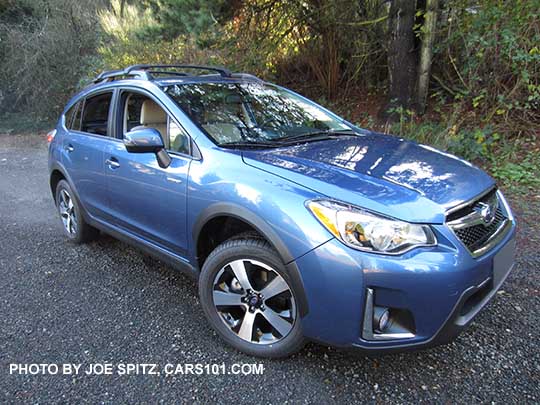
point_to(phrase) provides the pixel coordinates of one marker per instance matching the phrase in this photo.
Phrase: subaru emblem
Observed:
(486, 211)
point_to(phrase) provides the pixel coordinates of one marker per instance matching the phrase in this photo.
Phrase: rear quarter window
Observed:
(68, 116)
(73, 117)
(76, 124)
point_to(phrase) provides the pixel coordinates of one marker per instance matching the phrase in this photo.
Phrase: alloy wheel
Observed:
(67, 212)
(254, 301)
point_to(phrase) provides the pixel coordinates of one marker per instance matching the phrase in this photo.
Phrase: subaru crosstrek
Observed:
(297, 224)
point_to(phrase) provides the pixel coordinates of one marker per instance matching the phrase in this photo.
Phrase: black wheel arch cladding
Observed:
(265, 230)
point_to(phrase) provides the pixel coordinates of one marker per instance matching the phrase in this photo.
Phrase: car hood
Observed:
(380, 172)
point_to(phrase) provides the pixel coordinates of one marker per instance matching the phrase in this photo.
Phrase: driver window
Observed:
(141, 111)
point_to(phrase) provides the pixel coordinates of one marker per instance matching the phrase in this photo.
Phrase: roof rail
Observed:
(222, 71)
(144, 72)
(114, 74)
(247, 76)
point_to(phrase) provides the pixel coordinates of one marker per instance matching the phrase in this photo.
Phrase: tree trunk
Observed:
(401, 56)
(426, 53)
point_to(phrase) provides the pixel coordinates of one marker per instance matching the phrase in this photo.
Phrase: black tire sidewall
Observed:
(259, 250)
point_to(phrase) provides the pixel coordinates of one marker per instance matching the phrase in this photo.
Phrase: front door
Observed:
(145, 199)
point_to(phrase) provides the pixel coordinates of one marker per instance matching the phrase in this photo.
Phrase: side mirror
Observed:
(147, 140)
(144, 140)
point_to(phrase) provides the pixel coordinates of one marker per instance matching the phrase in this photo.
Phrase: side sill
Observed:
(147, 247)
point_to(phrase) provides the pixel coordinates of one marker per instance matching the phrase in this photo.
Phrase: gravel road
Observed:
(107, 303)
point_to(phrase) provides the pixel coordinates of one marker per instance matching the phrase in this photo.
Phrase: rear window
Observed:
(95, 117)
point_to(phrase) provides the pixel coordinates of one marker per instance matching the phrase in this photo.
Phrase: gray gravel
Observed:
(107, 303)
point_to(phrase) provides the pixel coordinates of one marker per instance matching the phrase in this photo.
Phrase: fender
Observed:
(262, 227)
(58, 166)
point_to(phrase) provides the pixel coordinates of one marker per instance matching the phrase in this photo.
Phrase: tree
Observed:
(426, 53)
(46, 48)
(179, 17)
(401, 55)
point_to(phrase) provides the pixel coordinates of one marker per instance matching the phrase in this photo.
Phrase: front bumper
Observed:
(443, 287)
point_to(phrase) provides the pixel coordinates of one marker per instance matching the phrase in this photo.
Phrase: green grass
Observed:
(519, 176)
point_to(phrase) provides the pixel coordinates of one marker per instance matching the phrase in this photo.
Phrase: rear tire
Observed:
(73, 224)
(251, 323)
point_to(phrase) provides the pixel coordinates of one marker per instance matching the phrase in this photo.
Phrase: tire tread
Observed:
(256, 247)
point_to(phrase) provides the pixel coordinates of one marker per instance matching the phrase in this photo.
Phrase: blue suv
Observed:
(297, 224)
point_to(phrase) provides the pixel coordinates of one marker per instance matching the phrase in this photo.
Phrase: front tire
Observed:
(247, 297)
(74, 225)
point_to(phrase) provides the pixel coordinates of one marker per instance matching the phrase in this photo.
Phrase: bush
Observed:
(334, 46)
(47, 46)
(133, 35)
(489, 55)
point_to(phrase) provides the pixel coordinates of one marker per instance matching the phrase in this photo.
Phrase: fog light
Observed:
(381, 319)
(386, 323)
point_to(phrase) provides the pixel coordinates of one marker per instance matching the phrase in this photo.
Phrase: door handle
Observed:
(173, 180)
(113, 163)
(69, 147)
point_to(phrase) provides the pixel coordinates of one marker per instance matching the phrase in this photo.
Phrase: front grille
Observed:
(468, 222)
(474, 237)
(469, 208)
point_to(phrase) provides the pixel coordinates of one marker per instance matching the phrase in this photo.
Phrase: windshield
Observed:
(233, 113)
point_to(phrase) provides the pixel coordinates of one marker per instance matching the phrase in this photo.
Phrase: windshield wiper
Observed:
(288, 140)
(316, 136)
(255, 144)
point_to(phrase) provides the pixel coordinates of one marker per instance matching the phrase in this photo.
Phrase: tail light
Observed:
(50, 135)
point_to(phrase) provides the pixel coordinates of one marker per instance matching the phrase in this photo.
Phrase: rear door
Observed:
(83, 150)
(146, 199)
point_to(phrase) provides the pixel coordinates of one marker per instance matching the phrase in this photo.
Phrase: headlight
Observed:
(366, 231)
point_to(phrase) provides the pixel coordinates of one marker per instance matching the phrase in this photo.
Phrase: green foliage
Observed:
(133, 35)
(20, 123)
(46, 46)
(334, 45)
(123, 47)
(514, 174)
(474, 144)
(180, 17)
(489, 56)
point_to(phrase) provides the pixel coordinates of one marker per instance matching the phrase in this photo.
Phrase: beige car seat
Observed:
(153, 116)
(215, 123)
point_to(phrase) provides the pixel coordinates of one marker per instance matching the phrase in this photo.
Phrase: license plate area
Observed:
(503, 261)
